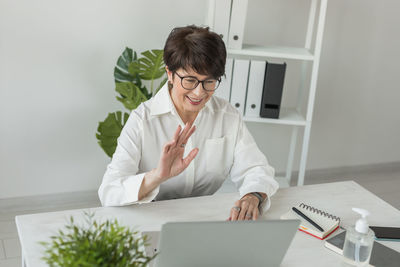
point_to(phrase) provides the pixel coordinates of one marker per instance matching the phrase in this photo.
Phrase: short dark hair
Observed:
(197, 48)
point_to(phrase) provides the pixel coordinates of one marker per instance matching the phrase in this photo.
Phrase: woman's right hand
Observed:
(171, 161)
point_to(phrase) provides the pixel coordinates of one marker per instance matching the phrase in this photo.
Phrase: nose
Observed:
(198, 91)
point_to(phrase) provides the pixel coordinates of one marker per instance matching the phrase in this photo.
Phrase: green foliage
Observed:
(109, 131)
(129, 73)
(97, 244)
(149, 67)
(131, 95)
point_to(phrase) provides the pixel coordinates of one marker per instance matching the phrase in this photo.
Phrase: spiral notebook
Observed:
(328, 222)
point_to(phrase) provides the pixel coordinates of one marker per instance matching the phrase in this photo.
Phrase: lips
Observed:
(194, 101)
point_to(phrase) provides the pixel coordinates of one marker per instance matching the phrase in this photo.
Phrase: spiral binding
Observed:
(323, 213)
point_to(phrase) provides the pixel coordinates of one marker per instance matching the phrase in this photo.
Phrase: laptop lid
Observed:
(239, 243)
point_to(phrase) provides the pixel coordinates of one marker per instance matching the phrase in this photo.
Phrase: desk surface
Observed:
(336, 198)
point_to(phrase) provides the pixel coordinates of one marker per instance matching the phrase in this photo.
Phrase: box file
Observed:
(272, 92)
(239, 84)
(224, 89)
(238, 20)
(255, 88)
(222, 13)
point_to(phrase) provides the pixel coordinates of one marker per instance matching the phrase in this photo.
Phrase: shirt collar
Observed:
(162, 102)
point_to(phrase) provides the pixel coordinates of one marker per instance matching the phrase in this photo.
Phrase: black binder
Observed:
(272, 91)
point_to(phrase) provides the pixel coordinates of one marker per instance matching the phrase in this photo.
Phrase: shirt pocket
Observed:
(219, 155)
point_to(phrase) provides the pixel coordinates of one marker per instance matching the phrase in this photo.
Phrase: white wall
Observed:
(56, 83)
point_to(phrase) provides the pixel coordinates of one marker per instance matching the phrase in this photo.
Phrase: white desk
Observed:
(336, 198)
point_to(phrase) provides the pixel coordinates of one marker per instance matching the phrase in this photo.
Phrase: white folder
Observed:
(224, 89)
(239, 84)
(222, 13)
(238, 20)
(255, 88)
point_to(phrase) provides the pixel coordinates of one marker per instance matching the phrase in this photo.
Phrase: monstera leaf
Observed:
(149, 67)
(131, 95)
(109, 130)
(128, 75)
(121, 73)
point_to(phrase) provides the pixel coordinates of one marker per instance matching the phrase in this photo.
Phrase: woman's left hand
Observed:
(245, 208)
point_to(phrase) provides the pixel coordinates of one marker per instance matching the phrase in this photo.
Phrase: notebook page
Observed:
(325, 222)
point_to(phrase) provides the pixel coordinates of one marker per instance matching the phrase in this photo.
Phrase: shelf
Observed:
(286, 117)
(262, 52)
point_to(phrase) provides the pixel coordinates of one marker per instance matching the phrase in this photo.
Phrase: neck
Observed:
(187, 117)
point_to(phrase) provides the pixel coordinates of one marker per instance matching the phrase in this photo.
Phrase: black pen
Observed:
(308, 219)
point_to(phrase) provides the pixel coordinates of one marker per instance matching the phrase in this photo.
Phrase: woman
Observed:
(185, 142)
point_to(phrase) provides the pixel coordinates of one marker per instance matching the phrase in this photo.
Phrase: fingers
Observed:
(249, 213)
(235, 211)
(184, 136)
(190, 157)
(244, 210)
(255, 214)
(190, 132)
(168, 146)
(177, 132)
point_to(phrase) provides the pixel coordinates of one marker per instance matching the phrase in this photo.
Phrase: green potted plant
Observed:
(96, 244)
(130, 75)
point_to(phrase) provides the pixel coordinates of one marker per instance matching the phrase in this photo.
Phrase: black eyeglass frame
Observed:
(198, 81)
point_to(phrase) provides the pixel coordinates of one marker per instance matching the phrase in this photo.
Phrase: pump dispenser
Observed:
(362, 224)
(359, 241)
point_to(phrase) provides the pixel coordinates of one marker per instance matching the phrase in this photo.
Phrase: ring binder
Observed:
(328, 222)
(318, 211)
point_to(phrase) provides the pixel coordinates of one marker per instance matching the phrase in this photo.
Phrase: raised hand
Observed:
(171, 161)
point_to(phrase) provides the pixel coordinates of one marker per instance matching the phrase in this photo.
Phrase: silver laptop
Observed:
(240, 243)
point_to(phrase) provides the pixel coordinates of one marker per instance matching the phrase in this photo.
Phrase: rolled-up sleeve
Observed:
(251, 171)
(121, 181)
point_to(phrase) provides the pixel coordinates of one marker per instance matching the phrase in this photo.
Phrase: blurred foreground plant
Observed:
(97, 244)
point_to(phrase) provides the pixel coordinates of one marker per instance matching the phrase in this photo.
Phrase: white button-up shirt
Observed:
(226, 149)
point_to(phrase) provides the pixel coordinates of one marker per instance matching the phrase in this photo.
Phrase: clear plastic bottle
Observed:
(358, 242)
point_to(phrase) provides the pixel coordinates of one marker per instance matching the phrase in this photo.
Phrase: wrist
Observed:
(259, 196)
(150, 182)
(155, 177)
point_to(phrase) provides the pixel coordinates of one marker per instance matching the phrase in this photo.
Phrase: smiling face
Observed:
(188, 103)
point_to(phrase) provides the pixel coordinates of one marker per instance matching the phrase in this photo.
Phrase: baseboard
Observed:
(50, 202)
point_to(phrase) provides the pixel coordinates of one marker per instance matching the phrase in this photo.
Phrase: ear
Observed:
(169, 74)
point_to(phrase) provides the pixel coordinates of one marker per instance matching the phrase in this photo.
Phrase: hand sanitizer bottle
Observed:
(359, 241)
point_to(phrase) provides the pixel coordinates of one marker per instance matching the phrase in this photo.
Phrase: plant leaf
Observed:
(109, 130)
(96, 244)
(121, 73)
(151, 65)
(131, 94)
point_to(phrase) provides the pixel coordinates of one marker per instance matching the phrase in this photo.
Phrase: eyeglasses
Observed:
(190, 83)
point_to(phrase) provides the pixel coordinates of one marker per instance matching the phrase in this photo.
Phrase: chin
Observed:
(191, 108)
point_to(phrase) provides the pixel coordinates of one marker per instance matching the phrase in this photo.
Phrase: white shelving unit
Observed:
(220, 19)
(260, 52)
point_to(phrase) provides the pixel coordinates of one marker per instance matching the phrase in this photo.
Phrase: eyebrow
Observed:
(191, 76)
